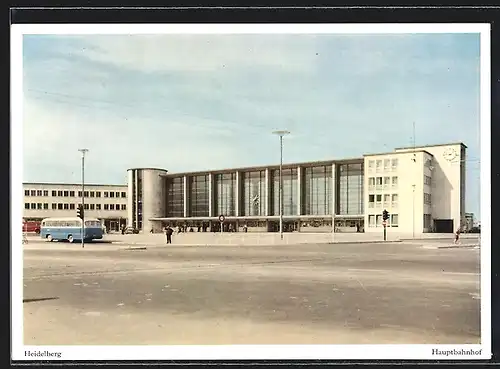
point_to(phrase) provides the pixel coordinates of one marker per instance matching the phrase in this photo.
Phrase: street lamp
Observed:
(281, 134)
(83, 151)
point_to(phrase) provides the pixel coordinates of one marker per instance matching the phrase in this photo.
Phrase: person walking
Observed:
(169, 231)
(457, 236)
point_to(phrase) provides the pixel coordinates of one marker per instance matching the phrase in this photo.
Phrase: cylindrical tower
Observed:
(147, 191)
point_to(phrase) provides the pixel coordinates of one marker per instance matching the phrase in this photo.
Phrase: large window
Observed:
(225, 194)
(199, 196)
(175, 197)
(317, 190)
(254, 193)
(290, 193)
(350, 194)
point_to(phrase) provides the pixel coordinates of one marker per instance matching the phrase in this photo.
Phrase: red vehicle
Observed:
(31, 226)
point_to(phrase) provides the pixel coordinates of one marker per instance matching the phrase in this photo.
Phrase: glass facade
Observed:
(225, 194)
(317, 190)
(175, 197)
(350, 190)
(290, 191)
(254, 193)
(198, 196)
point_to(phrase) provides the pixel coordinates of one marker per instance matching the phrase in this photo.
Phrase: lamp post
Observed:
(83, 151)
(281, 134)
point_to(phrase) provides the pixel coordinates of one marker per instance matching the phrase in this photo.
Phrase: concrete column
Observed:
(211, 195)
(130, 197)
(185, 197)
(267, 192)
(299, 191)
(153, 198)
(334, 181)
(237, 194)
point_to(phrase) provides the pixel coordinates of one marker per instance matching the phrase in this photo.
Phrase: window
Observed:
(379, 181)
(66, 193)
(33, 206)
(124, 194)
(72, 206)
(371, 182)
(175, 197)
(86, 206)
(427, 180)
(117, 207)
(92, 193)
(54, 193)
(39, 192)
(54, 206)
(92, 206)
(394, 220)
(379, 165)
(387, 164)
(79, 193)
(111, 206)
(39, 206)
(124, 207)
(26, 192)
(98, 194)
(198, 196)
(105, 193)
(27, 205)
(45, 192)
(371, 164)
(379, 220)
(379, 198)
(59, 206)
(86, 194)
(106, 206)
(60, 193)
(394, 182)
(111, 194)
(351, 189)
(371, 220)
(33, 192)
(387, 182)
(394, 200)
(117, 194)
(387, 199)
(427, 198)
(66, 206)
(45, 206)
(98, 206)
(394, 164)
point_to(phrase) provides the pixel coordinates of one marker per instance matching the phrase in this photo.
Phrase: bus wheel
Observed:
(49, 238)
(70, 238)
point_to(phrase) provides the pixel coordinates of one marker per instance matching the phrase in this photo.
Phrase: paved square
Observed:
(301, 294)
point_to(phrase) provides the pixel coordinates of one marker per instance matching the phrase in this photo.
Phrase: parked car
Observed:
(31, 227)
(131, 230)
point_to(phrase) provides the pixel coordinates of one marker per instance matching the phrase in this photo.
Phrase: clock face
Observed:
(450, 154)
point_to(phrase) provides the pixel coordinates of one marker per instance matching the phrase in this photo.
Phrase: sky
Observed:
(199, 102)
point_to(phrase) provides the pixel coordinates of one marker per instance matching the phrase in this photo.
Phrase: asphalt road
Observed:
(304, 294)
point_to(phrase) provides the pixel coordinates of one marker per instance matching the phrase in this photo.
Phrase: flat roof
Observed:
(419, 147)
(399, 152)
(72, 184)
(160, 169)
(274, 166)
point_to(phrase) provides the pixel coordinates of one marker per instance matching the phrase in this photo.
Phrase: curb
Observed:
(458, 247)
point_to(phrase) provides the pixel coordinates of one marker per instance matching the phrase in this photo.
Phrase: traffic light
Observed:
(385, 215)
(80, 212)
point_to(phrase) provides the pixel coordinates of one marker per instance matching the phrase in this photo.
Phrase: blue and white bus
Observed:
(70, 229)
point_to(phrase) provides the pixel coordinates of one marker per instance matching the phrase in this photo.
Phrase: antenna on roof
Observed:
(414, 144)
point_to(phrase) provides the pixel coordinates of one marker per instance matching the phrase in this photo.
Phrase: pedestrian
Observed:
(169, 232)
(457, 236)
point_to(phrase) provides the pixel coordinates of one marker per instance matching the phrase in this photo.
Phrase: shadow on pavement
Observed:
(40, 299)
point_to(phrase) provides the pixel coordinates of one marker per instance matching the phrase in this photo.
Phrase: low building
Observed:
(422, 188)
(108, 203)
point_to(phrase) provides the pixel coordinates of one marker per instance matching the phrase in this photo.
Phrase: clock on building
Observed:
(450, 154)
